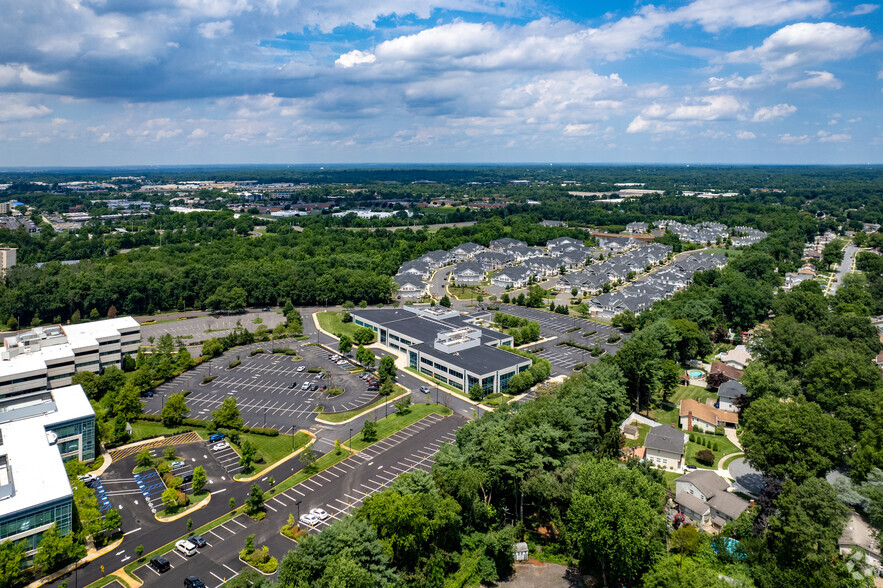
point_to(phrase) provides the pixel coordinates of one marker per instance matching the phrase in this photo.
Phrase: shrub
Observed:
(715, 446)
(266, 431)
(692, 438)
(613, 338)
(153, 418)
(334, 391)
(255, 352)
(589, 333)
(705, 457)
(234, 364)
(313, 370)
(579, 366)
(208, 379)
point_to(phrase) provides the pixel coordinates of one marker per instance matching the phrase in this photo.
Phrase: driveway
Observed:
(844, 268)
(746, 476)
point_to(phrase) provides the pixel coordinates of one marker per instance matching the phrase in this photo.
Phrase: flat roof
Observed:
(423, 328)
(480, 359)
(34, 468)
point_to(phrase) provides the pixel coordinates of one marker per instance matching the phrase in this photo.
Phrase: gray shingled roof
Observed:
(731, 390)
(665, 438)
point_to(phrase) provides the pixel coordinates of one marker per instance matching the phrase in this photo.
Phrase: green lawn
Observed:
(730, 253)
(725, 447)
(331, 322)
(339, 417)
(396, 422)
(670, 478)
(666, 417)
(272, 449)
(693, 392)
(464, 293)
(726, 464)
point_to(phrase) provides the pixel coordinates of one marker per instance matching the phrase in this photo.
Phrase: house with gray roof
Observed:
(543, 266)
(562, 241)
(523, 253)
(664, 447)
(468, 272)
(493, 260)
(552, 223)
(416, 268)
(466, 251)
(505, 244)
(410, 287)
(435, 259)
(728, 393)
(511, 277)
(704, 498)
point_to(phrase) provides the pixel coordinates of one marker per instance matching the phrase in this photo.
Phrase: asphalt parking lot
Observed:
(336, 490)
(564, 357)
(195, 329)
(268, 387)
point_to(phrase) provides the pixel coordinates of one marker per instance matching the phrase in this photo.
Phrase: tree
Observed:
(445, 301)
(347, 553)
(12, 324)
(369, 431)
(55, 549)
(12, 555)
(174, 410)
(614, 522)
(112, 520)
(387, 369)
(794, 440)
(247, 454)
(308, 456)
(639, 360)
(345, 344)
(90, 383)
(672, 572)
(199, 479)
(685, 541)
(169, 453)
(212, 348)
(363, 336)
(387, 387)
(127, 402)
(227, 415)
(144, 458)
(94, 315)
(365, 356)
(476, 392)
(255, 501)
(170, 497)
(626, 321)
(403, 404)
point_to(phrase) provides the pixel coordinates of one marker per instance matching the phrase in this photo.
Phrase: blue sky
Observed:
(115, 82)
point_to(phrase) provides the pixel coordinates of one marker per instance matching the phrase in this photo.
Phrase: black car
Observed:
(314, 387)
(293, 385)
(373, 388)
(147, 394)
(160, 564)
(197, 540)
(193, 582)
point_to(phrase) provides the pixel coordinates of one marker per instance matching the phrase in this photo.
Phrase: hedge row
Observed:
(206, 424)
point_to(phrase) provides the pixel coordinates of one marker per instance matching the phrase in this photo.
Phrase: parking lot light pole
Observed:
(350, 442)
(298, 509)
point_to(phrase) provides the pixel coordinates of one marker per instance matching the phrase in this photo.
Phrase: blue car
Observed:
(216, 437)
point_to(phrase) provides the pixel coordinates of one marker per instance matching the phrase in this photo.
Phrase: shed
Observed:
(630, 431)
(520, 551)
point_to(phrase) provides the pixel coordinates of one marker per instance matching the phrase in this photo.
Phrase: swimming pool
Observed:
(696, 374)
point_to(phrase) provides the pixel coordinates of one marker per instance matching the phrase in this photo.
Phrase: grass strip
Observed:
(394, 423)
(108, 580)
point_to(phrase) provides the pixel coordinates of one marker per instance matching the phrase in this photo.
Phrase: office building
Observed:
(446, 346)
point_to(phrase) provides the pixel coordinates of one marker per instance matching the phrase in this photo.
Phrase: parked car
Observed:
(424, 389)
(305, 386)
(197, 540)
(363, 375)
(214, 438)
(319, 376)
(160, 564)
(319, 513)
(309, 519)
(314, 387)
(293, 385)
(220, 446)
(301, 368)
(323, 387)
(147, 394)
(87, 479)
(265, 309)
(185, 547)
(177, 464)
(193, 582)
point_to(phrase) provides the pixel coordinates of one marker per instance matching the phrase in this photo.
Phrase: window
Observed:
(412, 359)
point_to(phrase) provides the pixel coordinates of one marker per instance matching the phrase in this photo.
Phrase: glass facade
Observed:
(22, 522)
(487, 384)
(412, 359)
(70, 435)
(504, 381)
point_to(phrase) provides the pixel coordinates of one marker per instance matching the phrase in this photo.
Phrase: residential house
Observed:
(410, 287)
(468, 272)
(552, 223)
(466, 251)
(523, 253)
(728, 393)
(416, 268)
(513, 277)
(718, 367)
(493, 260)
(543, 266)
(505, 244)
(664, 447)
(435, 259)
(738, 357)
(562, 241)
(696, 416)
(703, 497)
(636, 227)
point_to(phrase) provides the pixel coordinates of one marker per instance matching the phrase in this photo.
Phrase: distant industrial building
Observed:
(444, 345)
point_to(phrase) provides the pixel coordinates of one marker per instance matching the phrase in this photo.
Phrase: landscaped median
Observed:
(342, 417)
(394, 423)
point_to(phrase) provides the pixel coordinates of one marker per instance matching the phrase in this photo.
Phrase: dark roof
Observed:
(421, 328)
(729, 504)
(665, 438)
(731, 390)
(691, 502)
(708, 482)
(481, 359)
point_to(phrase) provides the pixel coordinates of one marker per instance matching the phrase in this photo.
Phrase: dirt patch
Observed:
(533, 573)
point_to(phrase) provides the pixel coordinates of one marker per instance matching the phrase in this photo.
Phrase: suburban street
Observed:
(844, 268)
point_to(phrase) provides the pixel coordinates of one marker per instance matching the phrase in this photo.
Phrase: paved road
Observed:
(337, 490)
(844, 268)
(746, 476)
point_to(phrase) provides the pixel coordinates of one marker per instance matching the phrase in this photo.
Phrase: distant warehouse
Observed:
(444, 345)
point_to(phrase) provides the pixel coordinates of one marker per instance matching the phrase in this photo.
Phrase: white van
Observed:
(185, 547)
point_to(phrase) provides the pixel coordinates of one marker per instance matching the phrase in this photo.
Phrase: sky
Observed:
(165, 82)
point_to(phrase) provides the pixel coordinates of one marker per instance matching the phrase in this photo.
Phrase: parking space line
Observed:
(238, 523)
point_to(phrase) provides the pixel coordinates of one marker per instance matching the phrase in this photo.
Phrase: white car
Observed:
(342, 362)
(185, 547)
(305, 385)
(300, 368)
(319, 513)
(177, 464)
(220, 446)
(309, 519)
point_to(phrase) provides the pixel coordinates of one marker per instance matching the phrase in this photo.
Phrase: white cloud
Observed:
(825, 137)
(213, 30)
(658, 118)
(804, 44)
(863, 9)
(581, 130)
(714, 15)
(17, 73)
(790, 139)
(355, 57)
(817, 79)
(745, 135)
(768, 113)
(15, 107)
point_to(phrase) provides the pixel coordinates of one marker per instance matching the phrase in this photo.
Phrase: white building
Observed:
(47, 357)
